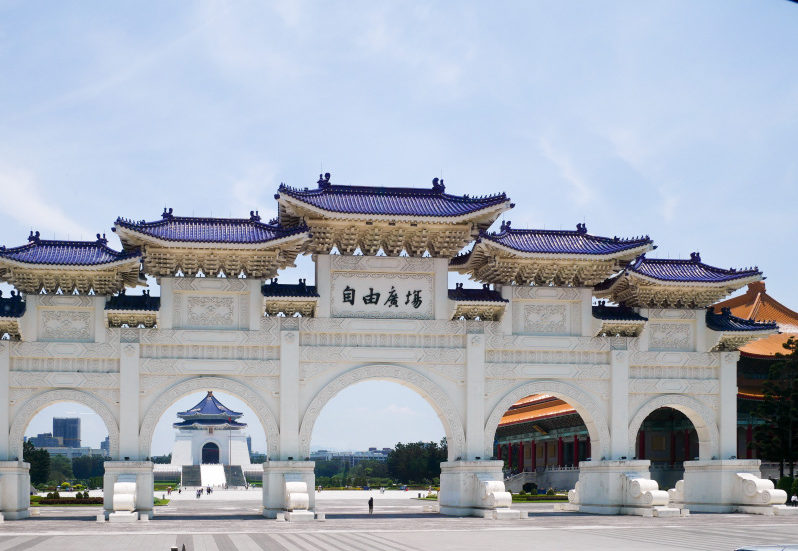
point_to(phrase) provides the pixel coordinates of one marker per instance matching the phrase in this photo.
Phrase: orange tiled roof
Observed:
(536, 406)
(756, 304)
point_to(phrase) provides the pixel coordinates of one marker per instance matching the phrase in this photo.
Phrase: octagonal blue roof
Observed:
(399, 201)
(210, 230)
(66, 253)
(209, 407)
(576, 242)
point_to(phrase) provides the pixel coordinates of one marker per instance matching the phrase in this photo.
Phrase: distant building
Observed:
(105, 445)
(351, 457)
(44, 440)
(68, 430)
(75, 452)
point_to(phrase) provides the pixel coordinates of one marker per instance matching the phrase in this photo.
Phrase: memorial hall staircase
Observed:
(234, 475)
(191, 476)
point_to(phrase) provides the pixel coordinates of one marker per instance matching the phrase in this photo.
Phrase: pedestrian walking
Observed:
(794, 500)
(371, 505)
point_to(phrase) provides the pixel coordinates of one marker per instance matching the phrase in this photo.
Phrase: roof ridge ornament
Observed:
(505, 226)
(695, 257)
(581, 228)
(324, 180)
(254, 216)
(438, 186)
(102, 240)
(167, 214)
(34, 237)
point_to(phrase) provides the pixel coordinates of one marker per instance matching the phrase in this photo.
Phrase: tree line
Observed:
(411, 463)
(52, 470)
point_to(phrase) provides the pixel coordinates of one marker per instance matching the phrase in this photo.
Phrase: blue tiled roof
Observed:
(209, 406)
(577, 242)
(397, 201)
(11, 307)
(486, 294)
(725, 321)
(616, 313)
(300, 289)
(69, 253)
(210, 230)
(692, 270)
(133, 302)
(201, 423)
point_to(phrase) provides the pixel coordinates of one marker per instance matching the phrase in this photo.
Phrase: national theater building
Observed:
(559, 325)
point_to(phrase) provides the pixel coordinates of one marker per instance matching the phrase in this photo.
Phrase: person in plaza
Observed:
(794, 500)
(371, 505)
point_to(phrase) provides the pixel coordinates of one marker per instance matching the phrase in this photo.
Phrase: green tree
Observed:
(161, 459)
(416, 462)
(39, 463)
(88, 466)
(60, 469)
(777, 438)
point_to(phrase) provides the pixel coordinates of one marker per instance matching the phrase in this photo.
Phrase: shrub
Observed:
(35, 499)
(785, 483)
(530, 487)
(65, 485)
(71, 501)
(794, 490)
(551, 492)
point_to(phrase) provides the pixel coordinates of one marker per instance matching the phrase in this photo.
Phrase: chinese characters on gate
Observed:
(412, 298)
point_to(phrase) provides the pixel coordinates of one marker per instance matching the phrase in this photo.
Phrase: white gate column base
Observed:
(14, 490)
(475, 488)
(618, 487)
(727, 486)
(289, 489)
(140, 475)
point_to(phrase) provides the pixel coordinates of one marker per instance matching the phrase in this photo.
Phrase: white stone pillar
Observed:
(587, 312)
(475, 398)
(166, 312)
(141, 472)
(129, 396)
(5, 424)
(289, 396)
(28, 323)
(701, 341)
(255, 303)
(323, 284)
(507, 317)
(441, 288)
(619, 405)
(727, 412)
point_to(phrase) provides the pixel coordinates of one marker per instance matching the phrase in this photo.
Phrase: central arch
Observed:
(698, 414)
(431, 392)
(592, 415)
(232, 386)
(210, 454)
(37, 403)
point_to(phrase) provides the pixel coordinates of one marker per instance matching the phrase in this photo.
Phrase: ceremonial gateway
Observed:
(381, 308)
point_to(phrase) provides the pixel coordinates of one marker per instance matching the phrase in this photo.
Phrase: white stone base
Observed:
(601, 485)
(657, 511)
(716, 487)
(463, 488)
(321, 517)
(123, 516)
(299, 516)
(101, 517)
(14, 489)
(142, 470)
(506, 514)
(274, 484)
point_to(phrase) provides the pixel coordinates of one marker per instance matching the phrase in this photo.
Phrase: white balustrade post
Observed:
(289, 395)
(129, 410)
(727, 412)
(475, 398)
(619, 405)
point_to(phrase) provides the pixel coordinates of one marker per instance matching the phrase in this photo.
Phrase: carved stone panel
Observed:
(670, 336)
(66, 325)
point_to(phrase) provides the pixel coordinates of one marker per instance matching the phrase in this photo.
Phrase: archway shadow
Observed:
(360, 516)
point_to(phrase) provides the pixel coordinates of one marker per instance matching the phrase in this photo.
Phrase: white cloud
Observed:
(30, 208)
(580, 190)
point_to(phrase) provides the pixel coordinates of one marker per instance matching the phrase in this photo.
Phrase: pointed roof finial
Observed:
(695, 257)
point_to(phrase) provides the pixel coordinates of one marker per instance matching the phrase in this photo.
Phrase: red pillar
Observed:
(545, 454)
(576, 450)
(510, 456)
(641, 454)
(533, 451)
(686, 444)
(749, 439)
(673, 447)
(560, 454)
(521, 456)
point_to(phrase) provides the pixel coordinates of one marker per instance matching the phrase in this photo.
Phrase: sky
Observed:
(674, 119)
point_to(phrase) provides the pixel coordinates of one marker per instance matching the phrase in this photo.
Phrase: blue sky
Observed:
(673, 119)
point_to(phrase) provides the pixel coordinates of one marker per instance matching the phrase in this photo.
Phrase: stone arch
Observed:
(195, 384)
(700, 415)
(431, 392)
(592, 415)
(40, 401)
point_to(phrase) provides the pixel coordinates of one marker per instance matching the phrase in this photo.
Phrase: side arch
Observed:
(431, 392)
(592, 415)
(40, 401)
(195, 384)
(700, 415)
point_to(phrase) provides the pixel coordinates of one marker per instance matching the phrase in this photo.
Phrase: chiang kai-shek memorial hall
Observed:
(381, 308)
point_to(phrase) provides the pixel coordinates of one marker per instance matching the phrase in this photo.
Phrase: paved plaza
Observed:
(227, 521)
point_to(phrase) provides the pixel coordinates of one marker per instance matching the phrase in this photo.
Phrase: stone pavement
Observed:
(227, 524)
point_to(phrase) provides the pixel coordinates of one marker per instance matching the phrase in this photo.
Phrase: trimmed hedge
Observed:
(71, 501)
(518, 498)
